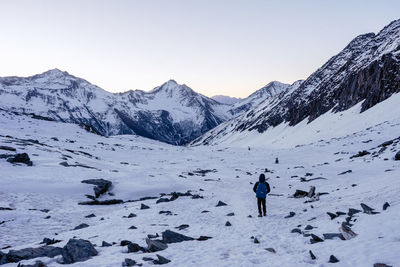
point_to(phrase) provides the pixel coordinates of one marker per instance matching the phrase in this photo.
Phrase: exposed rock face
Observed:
(29, 253)
(367, 70)
(21, 158)
(78, 250)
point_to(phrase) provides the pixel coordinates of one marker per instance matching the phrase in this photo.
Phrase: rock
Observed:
(360, 154)
(49, 241)
(312, 255)
(387, 143)
(230, 214)
(205, 211)
(169, 237)
(155, 245)
(182, 226)
(346, 231)
(144, 207)
(367, 209)
(256, 241)
(21, 158)
(345, 172)
(291, 214)
(125, 243)
(102, 202)
(152, 236)
(382, 265)
(105, 244)
(353, 211)
(132, 215)
(132, 227)
(228, 223)
(332, 215)
(8, 148)
(338, 213)
(166, 212)
(90, 216)
(30, 253)
(161, 200)
(147, 259)
(276, 161)
(397, 156)
(296, 230)
(133, 247)
(315, 239)
(308, 227)
(81, 226)
(203, 238)
(36, 264)
(220, 204)
(129, 262)
(311, 193)
(333, 259)
(386, 205)
(77, 250)
(333, 235)
(300, 193)
(161, 260)
(101, 185)
(270, 250)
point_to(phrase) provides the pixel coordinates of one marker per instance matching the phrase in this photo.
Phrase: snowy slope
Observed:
(226, 99)
(170, 113)
(367, 71)
(140, 167)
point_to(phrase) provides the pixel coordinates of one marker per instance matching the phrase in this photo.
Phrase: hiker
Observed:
(261, 188)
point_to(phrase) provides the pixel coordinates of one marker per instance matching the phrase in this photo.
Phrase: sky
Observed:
(217, 47)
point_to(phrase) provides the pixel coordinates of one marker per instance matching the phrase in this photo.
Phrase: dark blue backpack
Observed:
(261, 191)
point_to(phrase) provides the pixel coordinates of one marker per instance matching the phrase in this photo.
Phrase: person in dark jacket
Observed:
(261, 188)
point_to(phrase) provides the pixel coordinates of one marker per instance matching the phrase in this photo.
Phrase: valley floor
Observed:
(140, 168)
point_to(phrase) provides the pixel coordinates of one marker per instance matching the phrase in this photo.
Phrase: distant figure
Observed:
(276, 161)
(261, 188)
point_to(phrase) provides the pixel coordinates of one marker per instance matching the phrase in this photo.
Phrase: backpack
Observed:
(261, 191)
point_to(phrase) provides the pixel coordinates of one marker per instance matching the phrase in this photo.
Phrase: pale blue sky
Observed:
(216, 47)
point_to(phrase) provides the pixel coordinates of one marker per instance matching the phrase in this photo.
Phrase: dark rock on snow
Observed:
(105, 244)
(90, 216)
(21, 158)
(332, 215)
(169, 237)
(29, 253)
(101, 185)
(161, 200)
(228, 223)
(182, 226)
(36, 264)
(49, 241)
(81, 226)
(102, 202)
(270, 250)
(397, 156)
(128, 262)
(125, 243)
(133, 247)
(367, 209)
(296, 230)
(315, 239)
(230, 214)
(291, 214)
(78, 250)
(333, 259)
(132, 227)
(353, 211)
(155, 245)
(312, 255)
(8, 148)
(333, 235)
(161, 260)
(220, 203)
(144, 207)
(386, 205)
(300, 193)
(203, 238)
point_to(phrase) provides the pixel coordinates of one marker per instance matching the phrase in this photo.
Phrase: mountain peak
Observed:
(55, 72)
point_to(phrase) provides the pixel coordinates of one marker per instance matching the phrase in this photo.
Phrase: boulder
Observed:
(203, 238)
(132, 227)
(36, 264)
(309, 227)
(144, 207)
(220, 204)
(332, 215)
(291, 214)
(105, 244)
(333, 259)
(29, 253)
(386, 205)
(155, 245)
(21, 158)
(300, 194)
(133, 247)
(77, 250)
(81, 226)
(228, 223)
(125, 243)
(161, 260)
(49, 241)
(128, 262)
(397, 156)
(315, 239)
(101, 185)
(169, 237)
(8, 148)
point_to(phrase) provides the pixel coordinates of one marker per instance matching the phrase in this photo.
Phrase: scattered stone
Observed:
(312, 255)
(228, 223)
(36, 264)
(331, 236)
(333, 259)
(382, 265)
(21, 158)
(367, 209)
(220, 203)
(332, 215)
(203, 238)
(166, 212)
(49, 241)
(270, 250)
(205, 211)
(155, 245)
(129, 262)
(230, 214)
(144, 207)
(338, 213)
(161, 200)
(81, 226)
(311, 193)
(256, 241)
(345, 172)
(346, 231)
(361, 154)
(133, 247)
(152, 236)
(296, 230)
(161, 260)
(353, 211)
(291, 214)
(102, 202)
(125, 243)
(387, 143)
(315, 239)
(78, 250)
(8, 148)
(169, 237)
(309, 227)
(182, 226)
(397, 156)
(300, 193)
(105, 244)
(29, 253)
(147, 259)
(101, 185)
(386, 205)
(131, 215)
(90, 216)
(132, 227)
(276, 161)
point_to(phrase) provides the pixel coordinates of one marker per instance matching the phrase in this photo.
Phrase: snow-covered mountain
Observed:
(365, 72)
(171, 113)
(226, 99)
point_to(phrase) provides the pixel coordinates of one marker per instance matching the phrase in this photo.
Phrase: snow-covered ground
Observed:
(139, 167)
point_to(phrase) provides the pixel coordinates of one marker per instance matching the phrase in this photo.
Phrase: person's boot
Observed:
(265, 214)
(259, 215)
